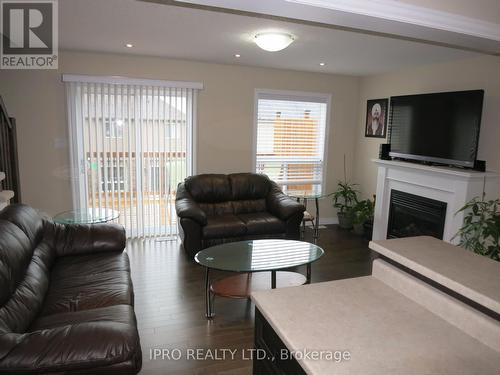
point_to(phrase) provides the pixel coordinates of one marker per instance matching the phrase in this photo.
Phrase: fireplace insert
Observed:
(412, 215)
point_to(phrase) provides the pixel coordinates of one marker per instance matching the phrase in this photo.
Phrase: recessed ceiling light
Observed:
(322, 64)
(237, 55)
(129, 45)
(273, 42)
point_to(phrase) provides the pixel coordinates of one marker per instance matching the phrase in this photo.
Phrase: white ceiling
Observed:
(386, 17)
(184, 33)
(486, 10)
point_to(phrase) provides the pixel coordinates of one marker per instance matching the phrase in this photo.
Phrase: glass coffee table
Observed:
(250, 259)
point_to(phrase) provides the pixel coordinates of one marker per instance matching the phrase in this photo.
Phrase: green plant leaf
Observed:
(480, 231)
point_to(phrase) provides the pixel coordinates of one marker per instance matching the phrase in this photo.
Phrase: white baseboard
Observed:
(326, 221)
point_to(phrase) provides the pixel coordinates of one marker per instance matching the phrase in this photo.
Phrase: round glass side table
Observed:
(87, 216)
(304, 196)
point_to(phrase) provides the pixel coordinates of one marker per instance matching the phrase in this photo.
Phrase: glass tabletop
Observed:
(307, 194)
(87, 216)
(259, 255)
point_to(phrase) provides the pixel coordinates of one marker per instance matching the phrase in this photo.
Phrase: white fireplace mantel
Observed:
(453, 186)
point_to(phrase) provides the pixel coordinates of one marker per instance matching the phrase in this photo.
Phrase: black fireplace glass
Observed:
(412, 215)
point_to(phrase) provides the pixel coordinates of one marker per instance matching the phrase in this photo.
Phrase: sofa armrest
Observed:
(191, 234)
(187, 208)
(281, 205)
(77, 239)
(81, 346)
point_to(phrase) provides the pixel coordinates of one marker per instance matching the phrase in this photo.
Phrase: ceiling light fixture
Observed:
(273, 42)
(129, 45)
(322, 64)
(237, 55)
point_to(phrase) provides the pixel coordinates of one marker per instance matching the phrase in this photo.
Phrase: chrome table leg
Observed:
(208, 296)
(308, 274)
(316, 226)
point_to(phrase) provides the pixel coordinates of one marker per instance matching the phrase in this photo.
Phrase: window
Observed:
(175, 128)
(113, 129)
(158, 178)
(121, 158)
(290, 139)
(113, 176)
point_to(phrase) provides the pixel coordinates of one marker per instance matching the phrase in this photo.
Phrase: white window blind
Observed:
(290, 140)
(131, 144)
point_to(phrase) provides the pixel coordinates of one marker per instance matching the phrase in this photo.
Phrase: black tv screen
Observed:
(439, 128)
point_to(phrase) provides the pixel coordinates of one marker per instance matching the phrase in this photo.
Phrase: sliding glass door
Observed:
(131, 146)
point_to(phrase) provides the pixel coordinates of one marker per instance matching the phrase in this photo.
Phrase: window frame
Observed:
(111, 180)
(111, 129)
(293, 96)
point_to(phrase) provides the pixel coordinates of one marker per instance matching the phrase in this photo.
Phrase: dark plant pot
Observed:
(345, 220)
(358, 229)
(368, 227)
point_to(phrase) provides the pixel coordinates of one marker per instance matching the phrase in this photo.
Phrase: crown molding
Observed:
(411, 14)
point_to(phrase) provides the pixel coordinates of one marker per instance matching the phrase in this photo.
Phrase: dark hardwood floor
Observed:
(169, 303)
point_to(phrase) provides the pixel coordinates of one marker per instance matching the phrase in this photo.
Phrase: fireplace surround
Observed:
(451, 187)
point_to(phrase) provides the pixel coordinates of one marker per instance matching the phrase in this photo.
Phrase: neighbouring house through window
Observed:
(131, 144)
(113, 176)
(113, 128)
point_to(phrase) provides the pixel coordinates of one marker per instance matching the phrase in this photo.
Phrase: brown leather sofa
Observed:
(218, 208)
(66, 298)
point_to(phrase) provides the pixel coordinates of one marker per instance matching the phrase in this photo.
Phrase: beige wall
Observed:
(476, 73)
(225, 116)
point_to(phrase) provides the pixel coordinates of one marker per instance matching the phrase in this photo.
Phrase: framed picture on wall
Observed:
(376, 118)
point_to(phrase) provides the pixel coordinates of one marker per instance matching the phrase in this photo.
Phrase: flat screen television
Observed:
(436, 128)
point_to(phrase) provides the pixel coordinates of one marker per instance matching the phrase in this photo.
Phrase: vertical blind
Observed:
(131, 144)
(290, 144)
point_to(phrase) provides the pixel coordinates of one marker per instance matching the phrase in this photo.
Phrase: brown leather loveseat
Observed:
(218, 208)
(66, 298)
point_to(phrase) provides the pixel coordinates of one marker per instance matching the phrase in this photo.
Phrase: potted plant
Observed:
(344, 199)
(362, 212)
(481, 228)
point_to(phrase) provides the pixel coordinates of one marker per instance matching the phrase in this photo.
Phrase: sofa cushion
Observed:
(224, 226)
(28, 298)
(262, 223)
(249, 186)
(25, 261)
(15, 256)
(69, 266)
(248, 206)
(81, 347)
(217, 209)
(211, 188)
(26, 219)
(88, 282)
(118, 313)
(76, 239)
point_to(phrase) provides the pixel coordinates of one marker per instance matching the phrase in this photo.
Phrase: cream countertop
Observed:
(385, 332)
(469, 274)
